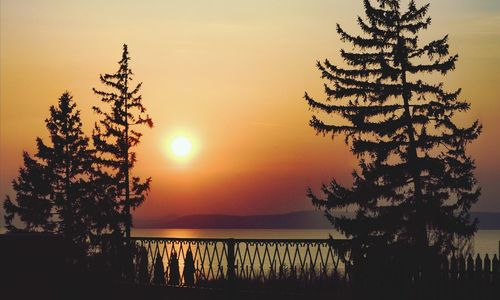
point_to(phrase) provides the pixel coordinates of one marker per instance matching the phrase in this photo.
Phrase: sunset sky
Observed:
(229, 76)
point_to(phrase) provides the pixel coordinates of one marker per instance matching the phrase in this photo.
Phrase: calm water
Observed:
(485, 241)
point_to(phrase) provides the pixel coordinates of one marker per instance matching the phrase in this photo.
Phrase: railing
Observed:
(194, 261)
(300, 264)
(466, 269)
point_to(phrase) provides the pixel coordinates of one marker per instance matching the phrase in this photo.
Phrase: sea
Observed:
(485, 241)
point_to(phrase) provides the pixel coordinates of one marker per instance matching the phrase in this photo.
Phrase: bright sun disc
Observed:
(181, 146)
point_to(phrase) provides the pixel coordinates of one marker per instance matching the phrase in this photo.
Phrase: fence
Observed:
(461, 268)
(198, 262)
(193, 261)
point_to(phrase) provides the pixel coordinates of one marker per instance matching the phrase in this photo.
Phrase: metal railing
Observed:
(296, 262)
(197, 261)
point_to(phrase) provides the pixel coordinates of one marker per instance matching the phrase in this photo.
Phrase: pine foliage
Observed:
(52, 188)
(114, 136)
(415, 182)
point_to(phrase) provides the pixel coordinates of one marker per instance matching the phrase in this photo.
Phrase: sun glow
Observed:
(181, 147)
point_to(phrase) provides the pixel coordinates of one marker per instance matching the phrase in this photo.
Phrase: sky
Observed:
(229, 76)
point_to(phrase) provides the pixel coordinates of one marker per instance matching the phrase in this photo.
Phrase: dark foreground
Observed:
(36, 267)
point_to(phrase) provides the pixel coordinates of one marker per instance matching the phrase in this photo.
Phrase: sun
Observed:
(181, 146)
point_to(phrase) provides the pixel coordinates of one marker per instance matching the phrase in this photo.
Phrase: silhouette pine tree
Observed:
(189, 268)
(52, 188)
(114, 137)
(159, 271)
(415, 183)
(143, 265)
(32, 203)
(173, 266)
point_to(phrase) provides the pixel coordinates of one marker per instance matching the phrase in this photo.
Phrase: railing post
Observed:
(479, 267)
(487, 268)
(230, 259)
(495, 269)
(453, 268)
(470, 267)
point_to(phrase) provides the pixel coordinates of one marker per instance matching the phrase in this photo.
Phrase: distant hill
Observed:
(487, 220)
(154, 223)
(293, 220)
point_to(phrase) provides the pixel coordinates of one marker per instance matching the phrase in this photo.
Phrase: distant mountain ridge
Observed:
(292, 220)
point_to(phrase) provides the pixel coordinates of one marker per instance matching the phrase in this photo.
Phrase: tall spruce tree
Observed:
(415, 182)
(114, 137)
(52, 187)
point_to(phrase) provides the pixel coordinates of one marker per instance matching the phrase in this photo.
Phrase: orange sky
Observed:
(229, 74)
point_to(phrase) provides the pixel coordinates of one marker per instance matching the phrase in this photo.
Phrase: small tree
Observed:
(143, 265)
(159, 271)
(52, 188)
(189, 268)
(32, 203)
(415, 183)
(173, 267)
(114, 137)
